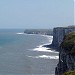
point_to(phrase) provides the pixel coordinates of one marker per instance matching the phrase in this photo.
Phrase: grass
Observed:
(68, 43)
(69, 73)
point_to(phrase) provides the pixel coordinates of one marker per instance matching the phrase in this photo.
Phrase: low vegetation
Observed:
(69, 43)
(69, 73)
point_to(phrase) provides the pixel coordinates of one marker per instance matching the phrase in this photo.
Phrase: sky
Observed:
(36, 14)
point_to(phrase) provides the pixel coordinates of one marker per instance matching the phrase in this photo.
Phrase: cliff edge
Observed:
(66, 56)
(59, 33)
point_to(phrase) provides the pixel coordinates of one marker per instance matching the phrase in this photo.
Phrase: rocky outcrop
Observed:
(66, 55)
(59, 33)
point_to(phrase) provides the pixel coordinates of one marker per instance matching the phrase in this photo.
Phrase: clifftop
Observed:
(68, 43)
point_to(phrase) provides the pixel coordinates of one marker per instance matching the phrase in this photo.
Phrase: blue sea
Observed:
(24, 54)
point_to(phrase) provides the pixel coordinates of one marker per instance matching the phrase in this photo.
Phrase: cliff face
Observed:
(59, 33)
(66, 55)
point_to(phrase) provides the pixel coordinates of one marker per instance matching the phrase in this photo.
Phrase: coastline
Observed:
(47, 47)
(44, 49)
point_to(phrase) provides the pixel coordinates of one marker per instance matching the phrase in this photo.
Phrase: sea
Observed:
(24, 54)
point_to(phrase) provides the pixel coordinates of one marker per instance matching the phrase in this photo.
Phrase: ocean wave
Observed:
(45, 57)
(19, 33)
(47, 36)
(41, 48)
(44, 49)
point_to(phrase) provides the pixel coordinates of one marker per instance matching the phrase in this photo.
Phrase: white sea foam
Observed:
(19, 33)
(41, 48)
(45, 57)
(44, 49)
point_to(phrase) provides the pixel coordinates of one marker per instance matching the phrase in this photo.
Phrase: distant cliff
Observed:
(39, 31)
(59, 33)
(66, 65)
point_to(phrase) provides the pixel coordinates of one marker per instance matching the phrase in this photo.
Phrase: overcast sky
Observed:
(36, 13)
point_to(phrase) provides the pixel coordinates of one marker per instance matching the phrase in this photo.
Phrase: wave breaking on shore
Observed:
(44, 49)
(20, 33)
(45, 57)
